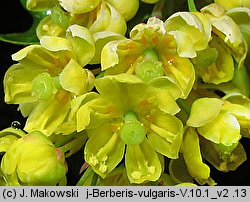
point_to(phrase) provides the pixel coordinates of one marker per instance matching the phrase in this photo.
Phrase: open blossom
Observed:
(129, 114)
(215, 53)
(97, 16)
(144, 101)
(212, 133)
(220, 128)
(228, 31)
(153, 53)
(49, 76)
(33, 160)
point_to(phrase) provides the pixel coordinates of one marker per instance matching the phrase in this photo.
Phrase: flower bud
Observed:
(8, 136)
(40, 5)
(33, 160)
(79, 6)
(127, 10)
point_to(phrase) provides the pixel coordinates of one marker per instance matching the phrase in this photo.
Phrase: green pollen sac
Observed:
(60, 17)
(43, 86)
(133, 132)
(150, 67)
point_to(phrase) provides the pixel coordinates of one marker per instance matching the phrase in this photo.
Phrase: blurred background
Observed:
(13, 18)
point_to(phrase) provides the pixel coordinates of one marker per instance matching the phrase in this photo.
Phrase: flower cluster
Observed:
(152, 104)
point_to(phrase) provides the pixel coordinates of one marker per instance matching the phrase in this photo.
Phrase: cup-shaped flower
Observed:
(242, 18)
(150, 53)
(40, 5)
(33, 160)
(103, 17)
(49, 76)
(227, 30)
(233, 3)
(214, 64)
(127, 10)
(8, 136)
(79, 6)
(214, 45)
(191, 30)
(220, 122)
(130, 114)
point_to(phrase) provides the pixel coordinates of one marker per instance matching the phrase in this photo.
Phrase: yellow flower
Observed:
(33, 160)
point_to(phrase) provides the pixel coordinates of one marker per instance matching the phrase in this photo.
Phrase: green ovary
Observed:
(44, 86)
(150, 67)
(133, 132)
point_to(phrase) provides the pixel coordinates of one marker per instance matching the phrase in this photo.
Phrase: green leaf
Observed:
(29, 36)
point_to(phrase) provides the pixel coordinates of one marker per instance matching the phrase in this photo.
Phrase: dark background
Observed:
(13, 18)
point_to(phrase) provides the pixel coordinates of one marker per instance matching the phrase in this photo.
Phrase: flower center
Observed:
(150, 67)
(133, 132)
(44, 86)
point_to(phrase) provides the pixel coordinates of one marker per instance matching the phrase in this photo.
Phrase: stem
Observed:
(163, 9)
(242, 80)
(96, 71)
(94, 179)
(65, 140)
(191, 6)
(71, 147)
(158, 9)
(184, 105)
(85, 177)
